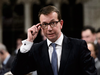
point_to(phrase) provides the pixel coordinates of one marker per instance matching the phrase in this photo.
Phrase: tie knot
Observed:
(53, 44)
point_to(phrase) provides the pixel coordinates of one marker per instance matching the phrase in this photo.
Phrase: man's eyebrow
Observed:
(43, 22)
(50, 21)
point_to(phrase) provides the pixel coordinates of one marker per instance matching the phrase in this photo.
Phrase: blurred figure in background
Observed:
(98, 36)
(0, 64)
(88, 34)
(6, 59)
(18, 44)
(98, 41)
(93, 48)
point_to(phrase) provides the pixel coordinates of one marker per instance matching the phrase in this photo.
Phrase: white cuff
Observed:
(26, 46)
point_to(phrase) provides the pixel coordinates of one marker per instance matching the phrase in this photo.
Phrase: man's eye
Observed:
(45, 24)
(52, 22)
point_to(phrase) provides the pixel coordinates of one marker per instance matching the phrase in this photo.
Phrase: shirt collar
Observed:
(58, 41)
(5, 61)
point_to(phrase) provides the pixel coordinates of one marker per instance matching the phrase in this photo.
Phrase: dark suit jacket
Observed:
(98, 47)
(9, 63)
(75, 59)
(7, 67)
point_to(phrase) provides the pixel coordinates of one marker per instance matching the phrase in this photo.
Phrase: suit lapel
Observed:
(65, 54)
(46, 60)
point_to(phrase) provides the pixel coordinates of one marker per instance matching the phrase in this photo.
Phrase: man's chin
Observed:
(52, 39)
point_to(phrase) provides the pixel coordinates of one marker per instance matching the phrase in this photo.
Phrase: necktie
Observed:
(54, 60)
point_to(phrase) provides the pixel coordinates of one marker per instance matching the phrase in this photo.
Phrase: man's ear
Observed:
(61, 22)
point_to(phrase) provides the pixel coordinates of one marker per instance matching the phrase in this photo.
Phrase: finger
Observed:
(33, 29)
(36, 30)
(37, 25)
(30, 32)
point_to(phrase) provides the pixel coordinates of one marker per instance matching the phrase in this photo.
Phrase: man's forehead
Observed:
(48, 19)
(52, 14)
(88, 31)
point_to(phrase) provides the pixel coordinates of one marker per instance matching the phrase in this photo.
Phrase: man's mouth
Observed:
(51, 34)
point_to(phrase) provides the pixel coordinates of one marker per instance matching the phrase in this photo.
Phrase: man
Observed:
(98, 42)
(88, 34)
(6, 59)
(0, 64)
(94, 51)
(58, 55)
(98, 36)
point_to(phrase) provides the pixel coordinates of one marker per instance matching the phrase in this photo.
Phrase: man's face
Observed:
(88, 36)
(98, 37)
(1, 55)
(52, 33)
(91, 48)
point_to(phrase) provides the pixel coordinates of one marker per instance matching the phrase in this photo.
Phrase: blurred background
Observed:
(16, 16)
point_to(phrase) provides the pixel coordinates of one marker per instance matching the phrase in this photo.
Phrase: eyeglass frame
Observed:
(45, 26)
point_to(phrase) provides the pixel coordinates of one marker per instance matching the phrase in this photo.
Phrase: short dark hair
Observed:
(48, 9)
(98, 31)
(90, 28)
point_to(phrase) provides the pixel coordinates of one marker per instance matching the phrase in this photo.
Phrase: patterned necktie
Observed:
(54, 60)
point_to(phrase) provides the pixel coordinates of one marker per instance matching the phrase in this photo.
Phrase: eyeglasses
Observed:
(52, 24)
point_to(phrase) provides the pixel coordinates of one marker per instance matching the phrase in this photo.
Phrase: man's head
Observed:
(98, 36)
(93, 48)
(88, 34)
(51, 23)
(48, 9)
(3, 52)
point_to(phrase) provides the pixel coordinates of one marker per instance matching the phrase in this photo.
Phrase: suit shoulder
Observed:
(75, 40)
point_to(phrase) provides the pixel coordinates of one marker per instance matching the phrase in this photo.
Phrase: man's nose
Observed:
(49, 27)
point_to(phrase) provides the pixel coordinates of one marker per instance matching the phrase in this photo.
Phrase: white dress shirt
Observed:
(58, 49)
(26, 45)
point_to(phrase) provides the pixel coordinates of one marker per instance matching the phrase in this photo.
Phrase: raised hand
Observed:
(32, 32)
